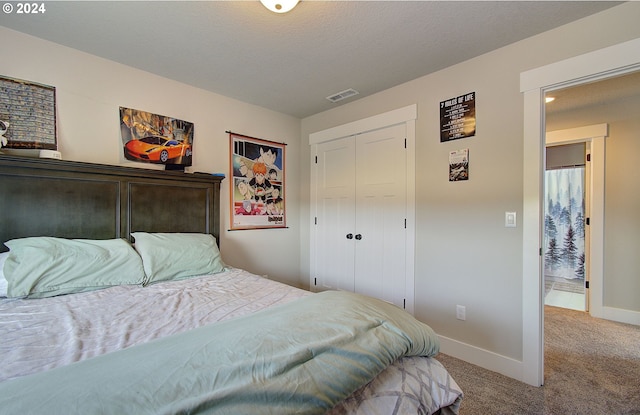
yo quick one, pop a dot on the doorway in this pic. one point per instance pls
(564, 237)
(619, 59)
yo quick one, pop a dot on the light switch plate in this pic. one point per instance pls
(510, 220)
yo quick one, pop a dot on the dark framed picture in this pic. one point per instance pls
(458, 117)
(28, 111)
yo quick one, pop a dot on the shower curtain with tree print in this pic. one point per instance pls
(564, 223)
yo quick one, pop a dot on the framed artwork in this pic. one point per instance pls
(258, 190)
(28, 110)
(458, 117)
(153, 138)
(459, 165)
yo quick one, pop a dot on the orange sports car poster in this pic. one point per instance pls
(152, 138)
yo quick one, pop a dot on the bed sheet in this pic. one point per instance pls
(38, 335)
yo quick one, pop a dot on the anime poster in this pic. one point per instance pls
(153, 138)
(258, 193)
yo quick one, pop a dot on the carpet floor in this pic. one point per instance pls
(592, 367)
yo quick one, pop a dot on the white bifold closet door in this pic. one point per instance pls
(361, 214)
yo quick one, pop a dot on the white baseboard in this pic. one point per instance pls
(480, 357)
(621, 316)
(511, 367)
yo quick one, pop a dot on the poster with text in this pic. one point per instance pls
(458, 117)
(258, 191)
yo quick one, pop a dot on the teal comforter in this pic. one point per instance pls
(299, 358)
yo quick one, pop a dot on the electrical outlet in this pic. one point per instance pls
(461, 312)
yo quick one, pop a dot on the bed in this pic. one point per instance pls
(118, 302)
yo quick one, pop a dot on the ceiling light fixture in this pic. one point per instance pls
(279, 6)
(549, 99)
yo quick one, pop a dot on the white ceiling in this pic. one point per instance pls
(291, 62)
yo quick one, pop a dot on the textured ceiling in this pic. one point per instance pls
(291, 62)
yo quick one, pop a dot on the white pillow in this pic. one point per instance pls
(3, 280)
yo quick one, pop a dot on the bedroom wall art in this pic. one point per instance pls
(458, 117)
(153, 138)
(459, 165)
(29, 111)
(258, 191)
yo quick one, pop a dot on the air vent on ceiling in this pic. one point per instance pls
(342, 95)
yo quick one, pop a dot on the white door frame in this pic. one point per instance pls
(604, 63)
(408, 116)
(595, 135)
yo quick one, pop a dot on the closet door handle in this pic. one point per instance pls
(349, 236)
(358, 236)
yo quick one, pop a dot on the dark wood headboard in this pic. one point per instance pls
(67, 199)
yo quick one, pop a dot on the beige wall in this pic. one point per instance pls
(464, 254)
(621, 280)
(89, 91)
(622, 223)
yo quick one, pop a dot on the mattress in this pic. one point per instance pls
(42, 334)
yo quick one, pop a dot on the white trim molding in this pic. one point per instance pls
(621, 316)
(481, 357)
(576, 135)
(400, 115)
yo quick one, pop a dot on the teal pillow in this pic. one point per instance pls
(176, 256)
(45, 266)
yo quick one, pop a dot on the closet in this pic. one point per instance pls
(360, 216)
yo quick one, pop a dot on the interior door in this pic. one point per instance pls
(335, 215)
(380, 226)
